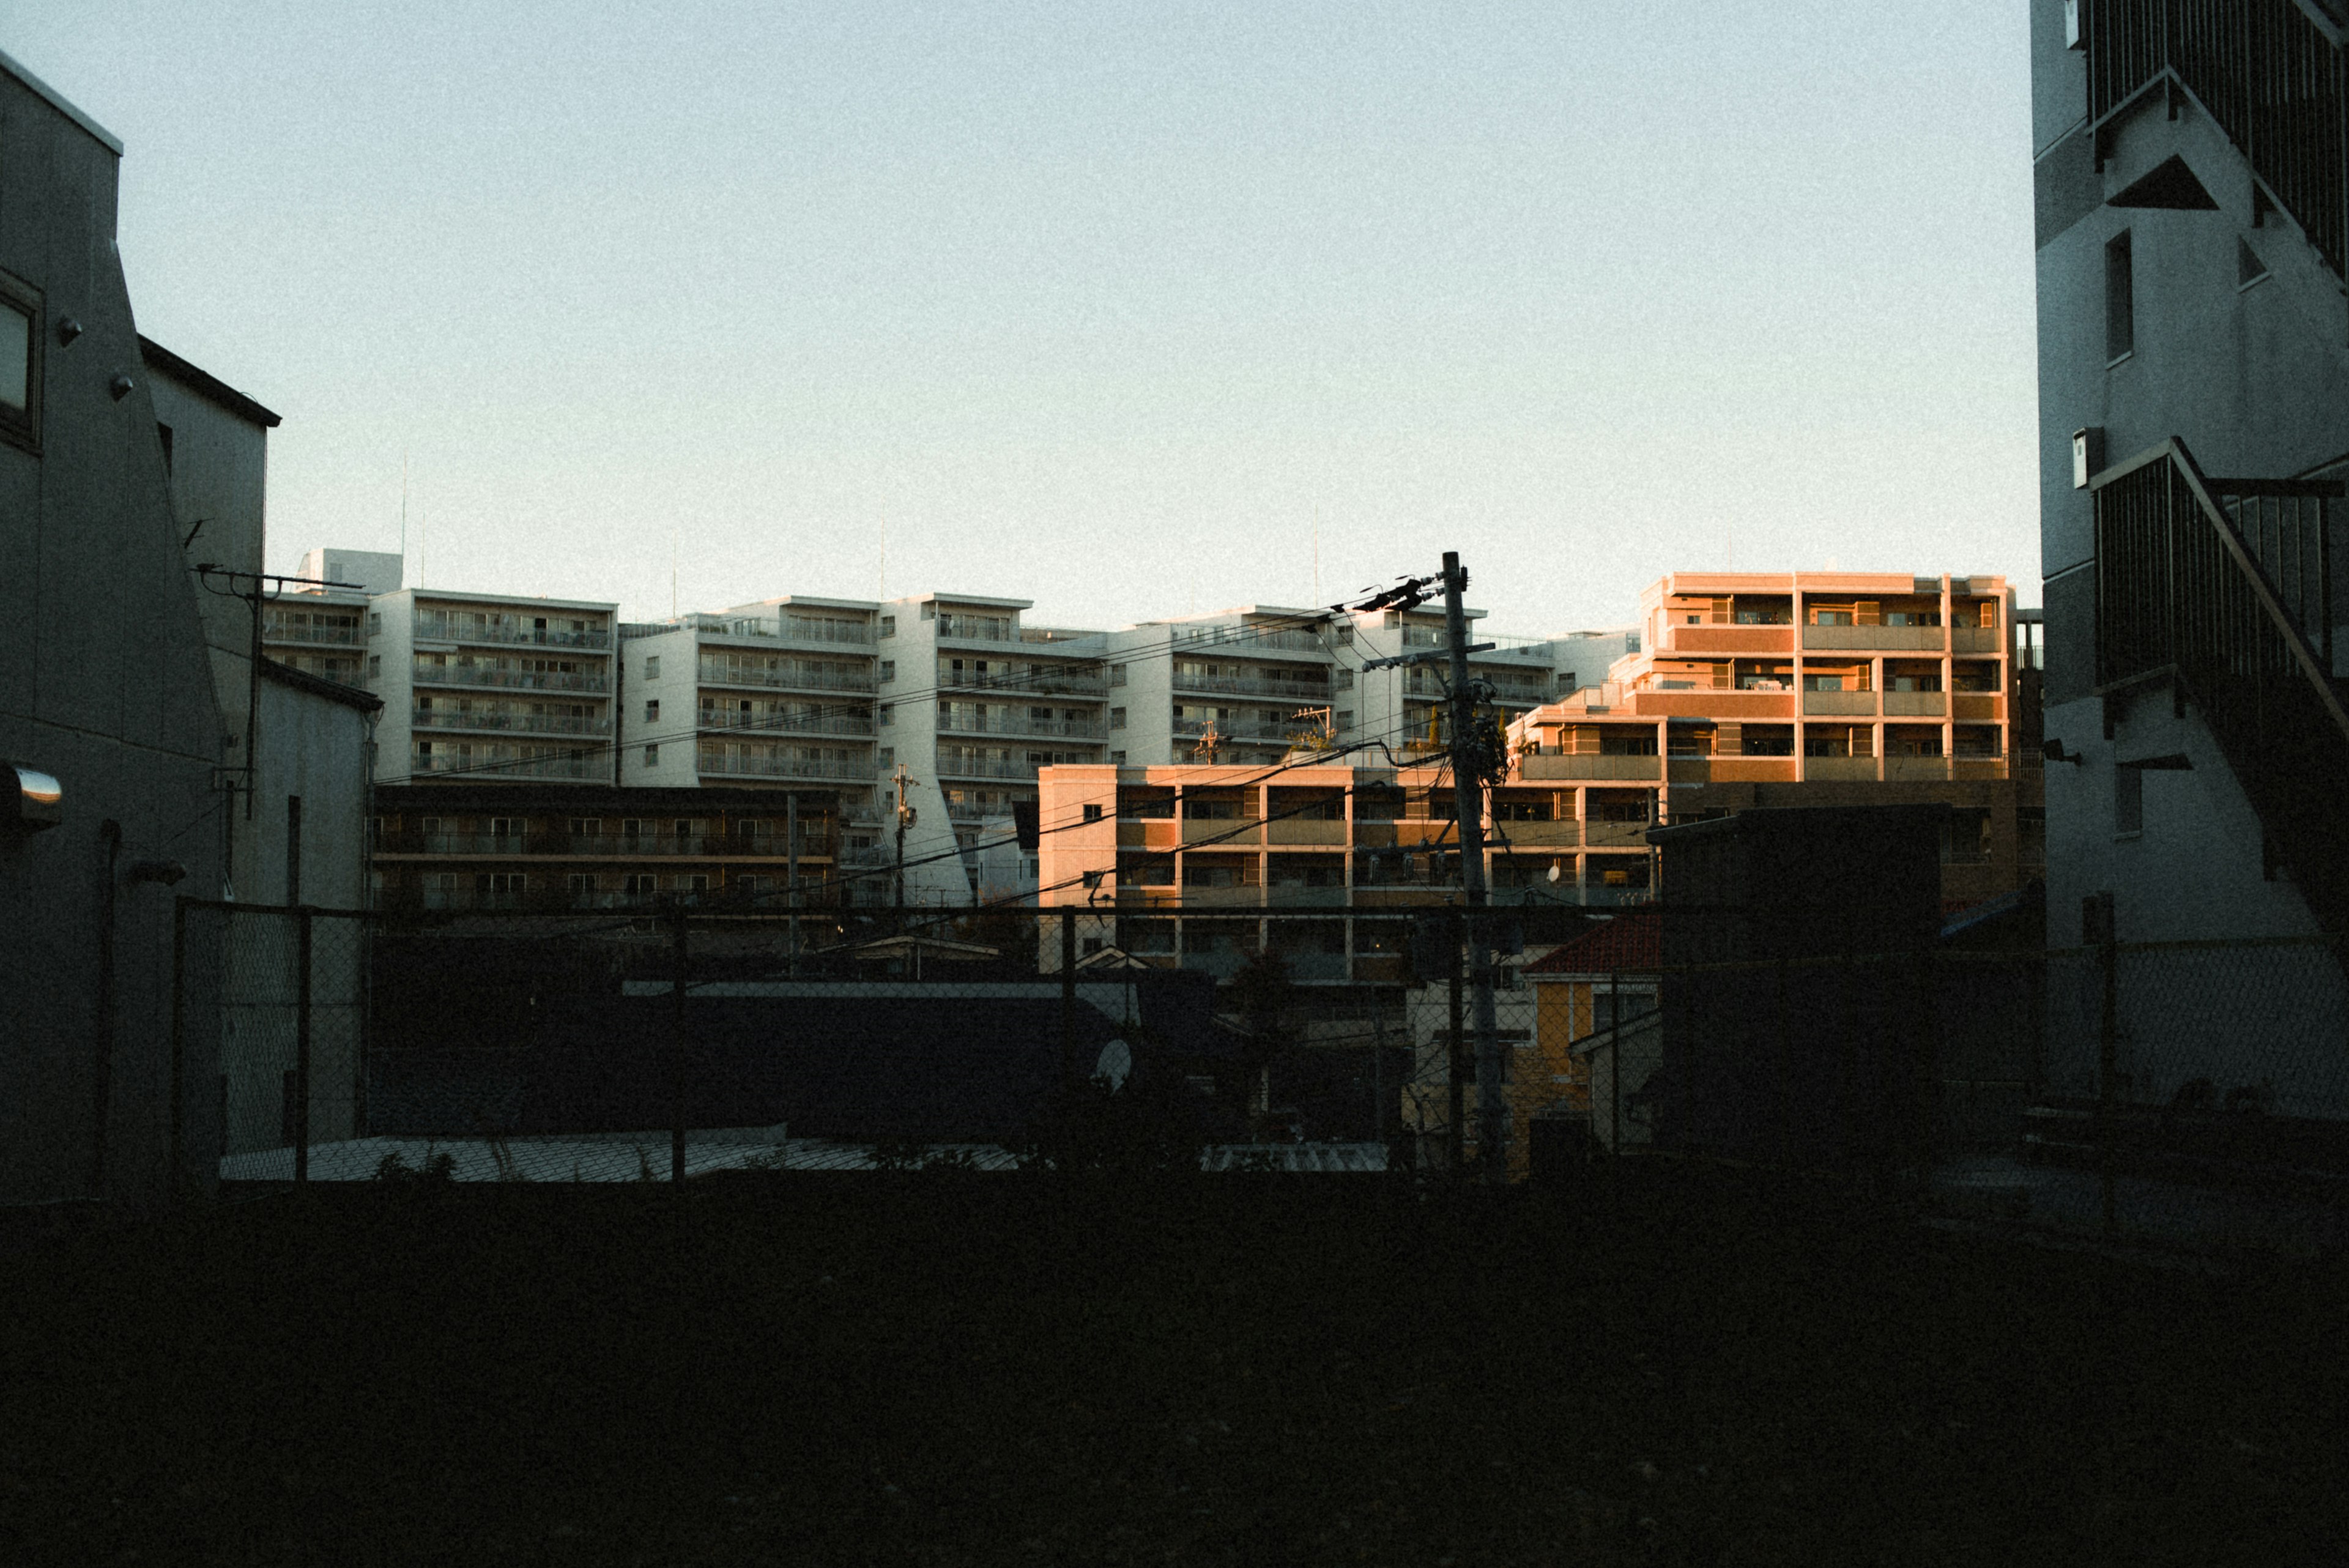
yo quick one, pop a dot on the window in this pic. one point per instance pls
(1117, 759)
(582, 884)
(888, 670)
(652, 756)
(375, 665)
(632, 827)
(887, 757)
(583, 827)
(641, 885)
(888, 711)
(652, 666)
(2120, 299)
(1092, 811)
(889, 626)
(1117, 718)
(20, 363)
(652, 710)
(2128, 802)
(1117, 675)
(505, 827)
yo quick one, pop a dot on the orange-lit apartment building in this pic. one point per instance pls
(1776, 689)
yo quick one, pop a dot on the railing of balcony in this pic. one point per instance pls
(786, 675)
(720, 721)
(1074, 682)
(754, 766)
(996, 724)
(490, 768)
(350, 636)
(521, 723)
(1273, 730)
(2265, 73)
(817, 630)
(430, 627)
(1241, 686)
(956, 767)
(978, 628)
(604, 846)
(511, 679)
(1251, 636)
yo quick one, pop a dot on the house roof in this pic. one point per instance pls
(196, 378)
(1628, 942)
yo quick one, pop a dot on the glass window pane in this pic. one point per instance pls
(15, 357)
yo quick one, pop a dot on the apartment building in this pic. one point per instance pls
(323, 631)
(1200, 866)
(488, 687)
(977, 701)
(765, 693)
(1247, 685)
(1755, 689)
(467, 847)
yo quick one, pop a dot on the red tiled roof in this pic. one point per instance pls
(1633, 940)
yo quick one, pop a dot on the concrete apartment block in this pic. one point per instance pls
(486, 687)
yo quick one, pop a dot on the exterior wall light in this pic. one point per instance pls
(37, 801)
(121, 387)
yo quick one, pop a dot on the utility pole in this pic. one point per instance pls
(905, 821)
(1468, 811)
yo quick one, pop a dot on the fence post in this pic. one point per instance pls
(677, 1055)
(302, 949)
(1069, 998)
(1455, 1136)
(178, 1173)
(1614, 1079)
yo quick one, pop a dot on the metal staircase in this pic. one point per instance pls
(2267, 72)
(2220, 588)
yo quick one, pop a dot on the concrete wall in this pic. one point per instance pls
(104, 682)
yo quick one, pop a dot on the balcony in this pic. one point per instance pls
(316, 635)
(1590, 765)
(811, 631)
(1616, 835)
(1839, 769)
(849, 771)
(1305, 830)
(442, 629)
(1562, 834)
(1978, 640)
(510, 680)
(1243, 686)
(977, 629)
(787, 677)
(1041, 683)
(717, 721)
(1272, 733)
(1906, 639)
(1238, 831)
(514, 723)
(1982, 707)
(1915, 704)
(1247, 895)
(1861, 704)
(1003, 724)
(1761, 641)
(953, 767)
(1249, 637)
(596, 766)
(1916, 770)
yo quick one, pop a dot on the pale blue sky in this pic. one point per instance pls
(1098, 305)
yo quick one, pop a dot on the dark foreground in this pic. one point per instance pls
(943, 1368)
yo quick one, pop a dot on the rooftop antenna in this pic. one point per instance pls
(672, 574)
(885, 553)
(403, 511)
(1317, 552)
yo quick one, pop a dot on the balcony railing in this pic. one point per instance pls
(997, 724)
(1906, 639)
(444, 628)
(954, 767)
(1281, 733)
(1240, 686)
(814, 630)
(718, 722)
(1073, 682)
(600, 845)
(510, 680)
(978, 628)
(850, 771)
(788, 677)
(1249, 637)
(1915, 704)
(492, 769)
(1848, 704)
(350, 636)
(1590, 765)
(518, 724)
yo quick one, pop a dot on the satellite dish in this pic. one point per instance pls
(1115, 1065)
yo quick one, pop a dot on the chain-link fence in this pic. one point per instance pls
(2198, 1090)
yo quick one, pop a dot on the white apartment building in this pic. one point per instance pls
(486, 687)
(782, 689)
(322, 631)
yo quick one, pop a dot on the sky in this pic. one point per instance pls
(1132, 310)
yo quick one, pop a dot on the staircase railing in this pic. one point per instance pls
(2270, 76)
(2222, 587)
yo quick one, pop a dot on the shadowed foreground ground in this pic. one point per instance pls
(947, 1368)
